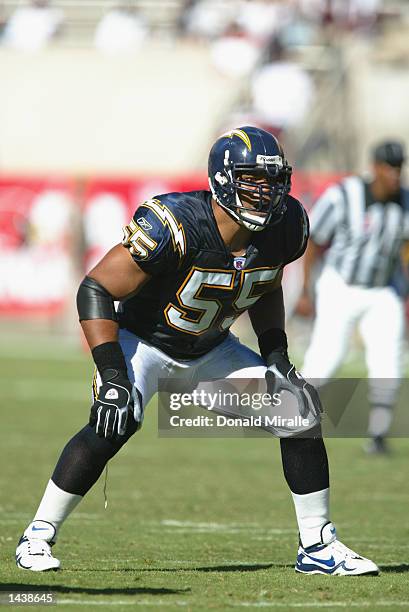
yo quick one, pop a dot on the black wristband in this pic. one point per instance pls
(109, 356)
(273, 339)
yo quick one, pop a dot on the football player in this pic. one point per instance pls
(189, 265)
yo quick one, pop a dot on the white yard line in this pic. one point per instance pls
(200, 527)
(176, 523)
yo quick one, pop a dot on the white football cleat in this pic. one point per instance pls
(34, 549)
(333, 558)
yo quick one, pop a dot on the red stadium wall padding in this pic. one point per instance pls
(36, 235)
(35, 245)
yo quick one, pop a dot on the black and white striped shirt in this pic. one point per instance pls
(365, 236)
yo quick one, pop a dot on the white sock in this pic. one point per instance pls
(380, 419)
(312, 511)
(56, 505)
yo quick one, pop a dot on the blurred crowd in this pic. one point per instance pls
(264, 42)
(32, 26)
(125, 25)
(261, 42)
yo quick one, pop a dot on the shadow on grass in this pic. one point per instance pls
(59, 588)
(242, 567)
(402, 568)
(208, 568)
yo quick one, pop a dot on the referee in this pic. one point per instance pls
(365, 225)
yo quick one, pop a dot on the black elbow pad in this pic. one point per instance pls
(94, 301)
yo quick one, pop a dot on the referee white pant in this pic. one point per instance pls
(380, 315)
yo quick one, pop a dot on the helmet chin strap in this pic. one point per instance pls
(250, 226)
(245, 218)
(239, 218)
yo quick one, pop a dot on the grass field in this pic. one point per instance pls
(194, 524)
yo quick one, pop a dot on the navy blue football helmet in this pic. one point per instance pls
(250, 177)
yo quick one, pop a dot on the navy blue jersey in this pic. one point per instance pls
(197, 287)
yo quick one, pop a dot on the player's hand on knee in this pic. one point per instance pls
(118, 401)
(281, 375)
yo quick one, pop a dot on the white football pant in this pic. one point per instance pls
(147, 364)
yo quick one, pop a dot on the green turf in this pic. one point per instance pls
(195, 524)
